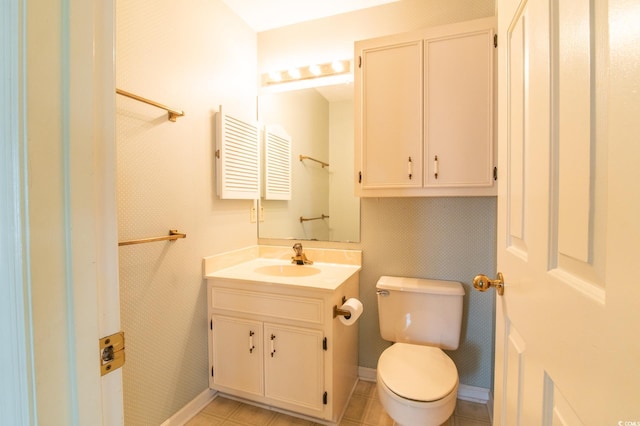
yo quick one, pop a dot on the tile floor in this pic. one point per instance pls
(364, 409)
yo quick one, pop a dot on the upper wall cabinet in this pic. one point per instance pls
(425, 112)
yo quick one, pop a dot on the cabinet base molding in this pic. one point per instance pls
(276, 409)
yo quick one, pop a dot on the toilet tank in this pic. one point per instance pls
(420, 311)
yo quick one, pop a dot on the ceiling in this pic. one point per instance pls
(262, 15)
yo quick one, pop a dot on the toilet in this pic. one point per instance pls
(417, 381)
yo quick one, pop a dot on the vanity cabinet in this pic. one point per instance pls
(425, 112)
(279, 345)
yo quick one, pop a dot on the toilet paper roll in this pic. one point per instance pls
(355, 308)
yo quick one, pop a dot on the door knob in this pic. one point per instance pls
(482, 283)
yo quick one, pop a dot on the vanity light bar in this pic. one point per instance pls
(307, 72)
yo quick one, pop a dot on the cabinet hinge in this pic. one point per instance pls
(324, 344)
(360, 61)
(495, 40)
(495, 173)
(359, 177)
(324, 398)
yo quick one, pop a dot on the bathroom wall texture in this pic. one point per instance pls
(191, 57)
(442, 238)
(437, 238)
(331, 38)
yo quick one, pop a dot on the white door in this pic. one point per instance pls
(567, 326)
(57, 208)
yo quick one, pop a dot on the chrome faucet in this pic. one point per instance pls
(300, 258)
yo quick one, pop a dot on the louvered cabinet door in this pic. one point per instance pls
(277, 164)
(237, 157)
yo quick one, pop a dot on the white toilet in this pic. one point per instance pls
(417, 381)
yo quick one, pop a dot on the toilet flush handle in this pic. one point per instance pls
(382, 293)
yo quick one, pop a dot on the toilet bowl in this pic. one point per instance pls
(417, 385)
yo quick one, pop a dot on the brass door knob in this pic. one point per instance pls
(482, 283)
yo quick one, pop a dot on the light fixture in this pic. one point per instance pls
(328, 69)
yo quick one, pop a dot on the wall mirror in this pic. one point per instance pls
(320, 123)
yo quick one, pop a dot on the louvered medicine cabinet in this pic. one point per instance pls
(238, 161)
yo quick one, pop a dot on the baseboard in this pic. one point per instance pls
(367, 374)
(192, 408)
(465, 392)
(474, 394)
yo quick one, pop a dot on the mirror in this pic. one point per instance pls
(321, 126)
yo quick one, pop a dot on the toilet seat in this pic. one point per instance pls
(417, 373)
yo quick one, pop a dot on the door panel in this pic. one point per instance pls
(237, 354)
(293, 365)
(392, 115)
(459, 89)
(554, 240)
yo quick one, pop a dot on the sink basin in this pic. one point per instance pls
(287, 270)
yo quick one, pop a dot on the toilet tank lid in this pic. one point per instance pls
(420, 285)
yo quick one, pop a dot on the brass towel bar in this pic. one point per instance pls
(173, 114)
(304, 157)
(173, 235)
(304, 219)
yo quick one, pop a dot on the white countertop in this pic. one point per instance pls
(329, 277)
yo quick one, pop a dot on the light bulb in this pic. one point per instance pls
(275, 76)
(337, 66)
(315, 69)
(294, 73)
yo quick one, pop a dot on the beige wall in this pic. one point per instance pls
(193, 58)
(327, 39)
(442, 238)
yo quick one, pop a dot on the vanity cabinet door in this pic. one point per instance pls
(238, 354)
(294, 366)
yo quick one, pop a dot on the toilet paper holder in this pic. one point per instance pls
(337, 311)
